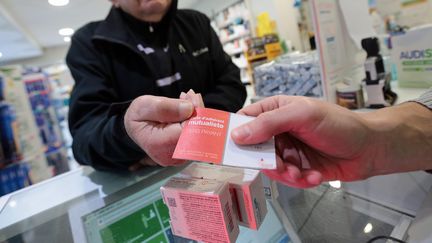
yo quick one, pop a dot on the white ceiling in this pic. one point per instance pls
(28, 26)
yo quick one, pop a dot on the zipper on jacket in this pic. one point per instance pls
(140, 53)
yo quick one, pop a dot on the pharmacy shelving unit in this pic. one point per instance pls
(234, 26)
(42, 152)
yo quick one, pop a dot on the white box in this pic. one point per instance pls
(412, 54)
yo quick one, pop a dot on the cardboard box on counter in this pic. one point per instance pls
(245, 186)
(200, 209)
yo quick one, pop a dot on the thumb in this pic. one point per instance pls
(296, 118)
(258, 130)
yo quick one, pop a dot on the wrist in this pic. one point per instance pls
(402, 137)
(379, 129)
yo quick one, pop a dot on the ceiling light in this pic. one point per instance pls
(335, 184)
(58, 3)
(67, 39)
(66, 31)
(368, 228)
(1, 54)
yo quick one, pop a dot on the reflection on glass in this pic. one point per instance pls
(368, 228)
(335, 184)
(12, 204)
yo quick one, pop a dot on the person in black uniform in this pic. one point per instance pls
(129, 71)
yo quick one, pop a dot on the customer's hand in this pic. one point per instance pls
(154, 124)
(315, 141)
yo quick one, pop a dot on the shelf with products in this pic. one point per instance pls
(266, 47)
(10, 149)
(14, 168)
(27, 133)
(13, 177)
(61, 83)
(39, 93)
(29, 118)
(261, 50)
(233, 26)
(235, 36)
(233, 22)
(236, 51)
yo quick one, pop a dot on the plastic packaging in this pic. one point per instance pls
(293, 74)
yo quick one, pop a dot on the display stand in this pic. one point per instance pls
(31, 143)
(341, 58)
(39, 93)
(38, 135)
(61, 84)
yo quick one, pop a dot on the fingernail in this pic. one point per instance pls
(241, 133)
(185, 108)
(182, 95)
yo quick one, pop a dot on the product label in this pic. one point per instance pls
(416, 60)
(206, 138)
(199, 215)
(245, 187)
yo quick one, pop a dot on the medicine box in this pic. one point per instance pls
(412, 55)
(245, 186)
(200, 209)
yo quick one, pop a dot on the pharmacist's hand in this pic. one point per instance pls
(154, 123)
(315, 141)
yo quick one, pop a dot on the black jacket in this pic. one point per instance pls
(112, 64)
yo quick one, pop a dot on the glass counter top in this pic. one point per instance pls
(84, 203)
(91, 206)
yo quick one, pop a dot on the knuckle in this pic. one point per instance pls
(265, 118)
(264, 124)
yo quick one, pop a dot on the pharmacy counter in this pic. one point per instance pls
(89, 206)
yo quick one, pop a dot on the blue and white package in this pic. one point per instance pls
(13, 178)
(2, 88)
(8, 134)
(296, 74)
